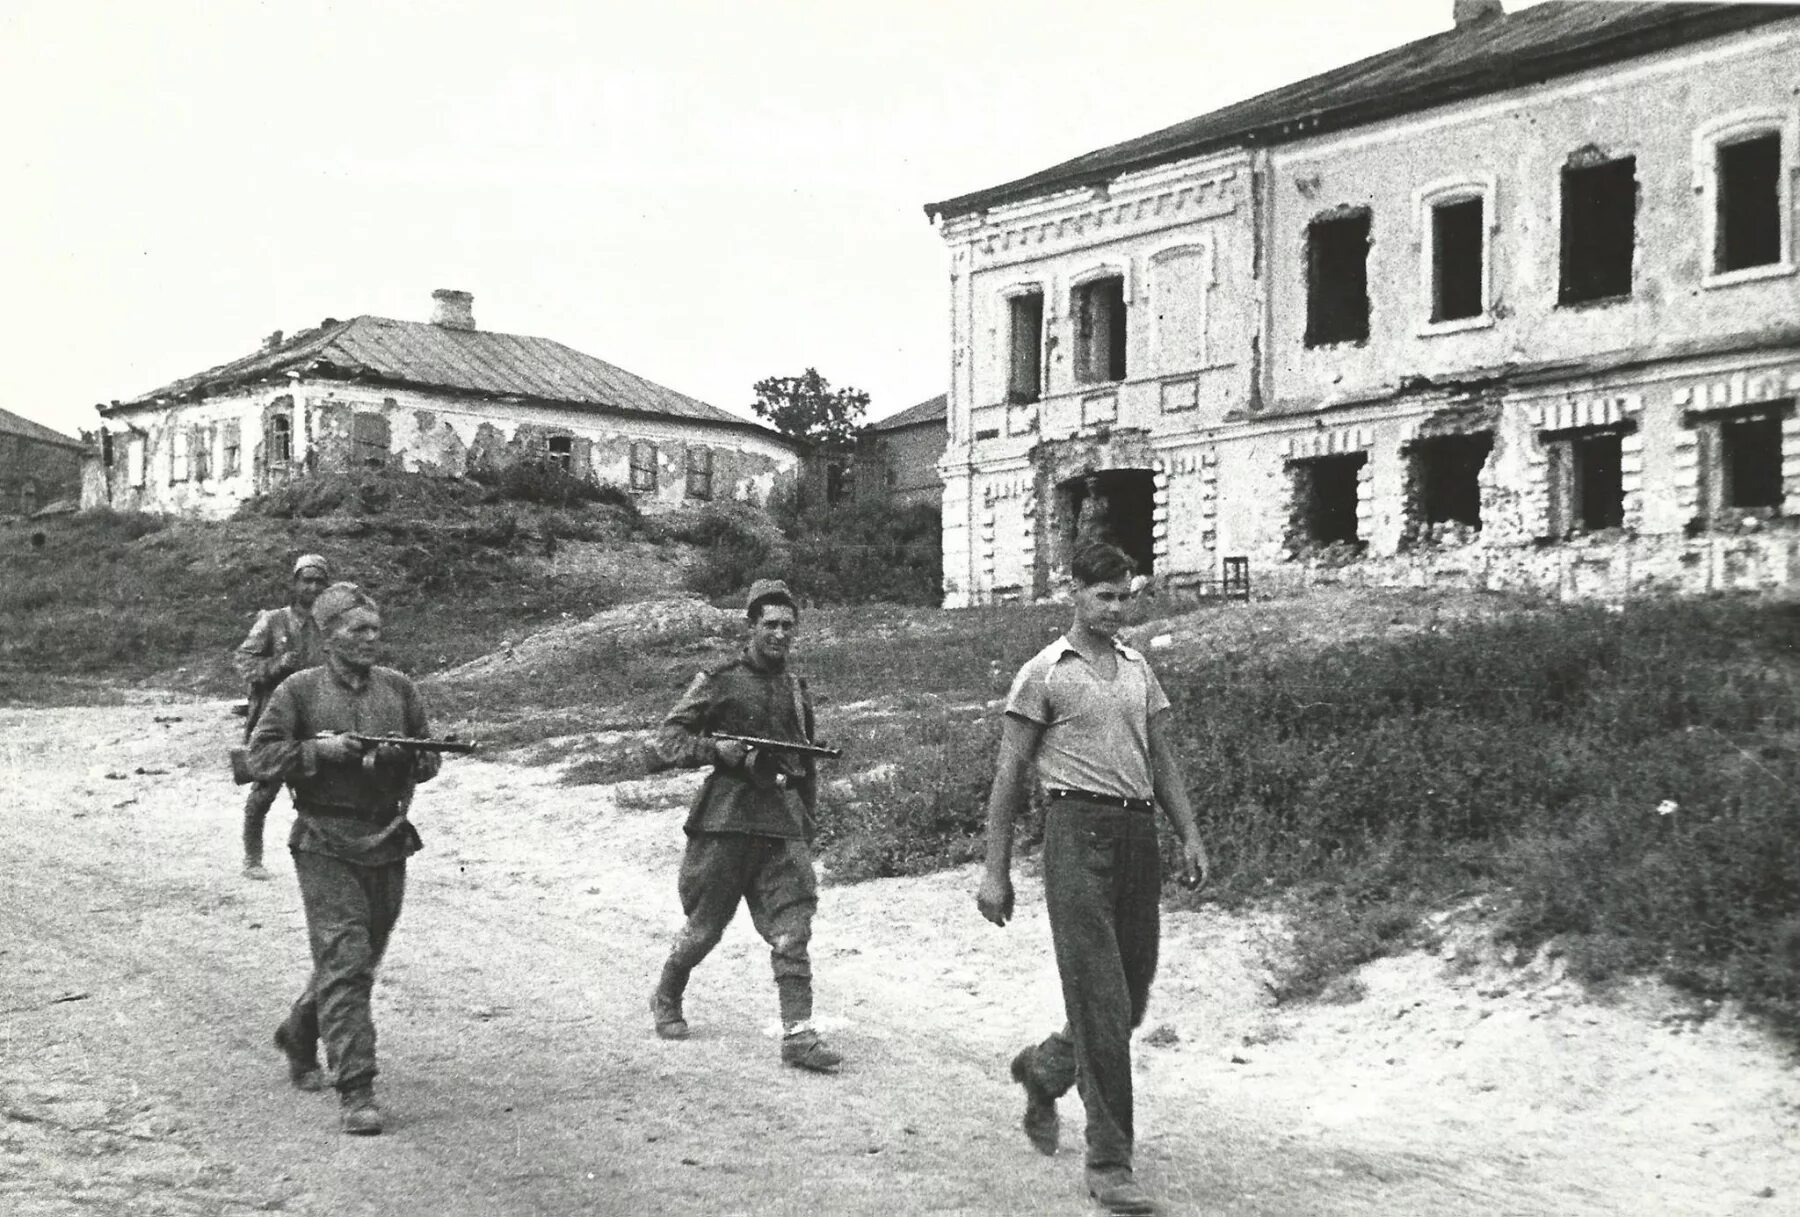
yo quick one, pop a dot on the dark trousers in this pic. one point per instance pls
(1102, 889)
(256, 813)
(350, 912)
(774, 877)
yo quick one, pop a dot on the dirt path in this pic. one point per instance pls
(140, 978)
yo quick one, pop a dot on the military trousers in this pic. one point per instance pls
(1102, 890)
(256, 814)
(774, 877)
(350, 913)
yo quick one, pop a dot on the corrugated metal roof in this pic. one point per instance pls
(14, 424)
(1506, 52)
(934, 411)
(422, 355)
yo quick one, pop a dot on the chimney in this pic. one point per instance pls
(454, 310)
(1473, 12)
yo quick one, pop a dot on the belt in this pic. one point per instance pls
(1105, 800)
(338, 811)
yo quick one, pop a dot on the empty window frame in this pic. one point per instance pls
(840, 479)
(1748, 204)
(279, 443)
(1337, 279)
(1100, 330)
(106, 449)
(1599, 230)
(232, 459)
(561, 449)
(1325, 498)
(1446, 478)
(1741, 470)
(643, 467)
(179, 439)
(1586, 480)
(699, 472)
(1454, 220)
(1025, 346)
(369, 439)
(200, 443)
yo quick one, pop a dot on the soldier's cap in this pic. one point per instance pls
(337, 600)
(312, 562)
(765, 590)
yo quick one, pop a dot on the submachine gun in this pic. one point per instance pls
(758, 744)
(240, 757)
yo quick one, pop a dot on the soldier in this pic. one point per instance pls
(350, 840)
(1093, 717)
(751, 828)
(283, 641)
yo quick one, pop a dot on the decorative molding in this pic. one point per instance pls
(1205, 198)
(1571, 413)
(1739, 389)
(1327, 441)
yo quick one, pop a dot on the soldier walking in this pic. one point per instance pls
(350, 840)
(751, 828)
(1091, 715)
(283, 641)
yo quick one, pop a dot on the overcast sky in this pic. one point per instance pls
(702, 193)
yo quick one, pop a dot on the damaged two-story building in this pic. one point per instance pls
(1512, 306)
(437, 397)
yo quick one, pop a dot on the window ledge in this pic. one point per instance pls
(1750, 274)
(1432, 329)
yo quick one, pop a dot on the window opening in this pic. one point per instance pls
(1457, 260)
(1586, 481)
(1325, 499)
(1025, 320)
(699, 472)
(1100, 330)
(1748, 199)
(369, 439)
(643, 467)
(1599, 230)
(1446, 479)
(233, 445)
(562, 452)
(281, 440)
(1337, 279)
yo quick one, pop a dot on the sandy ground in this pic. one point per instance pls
(141, 976)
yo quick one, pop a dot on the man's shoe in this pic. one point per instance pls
(303, 1064)
(805, 1050)
(254, 869)
(357, 1113)
(1117, 1192)
(1041, 1123)
(666, 1010)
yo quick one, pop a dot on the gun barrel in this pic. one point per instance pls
(461, 747)
(779, 745)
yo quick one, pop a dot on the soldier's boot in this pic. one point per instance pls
(302, 1063)
(357, 1113)
(665, 1004)
(1117, 1192)
(256, 811)
(1040, 1122)
(805, 1050)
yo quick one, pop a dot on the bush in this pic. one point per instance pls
(545, 482)
(737, 545)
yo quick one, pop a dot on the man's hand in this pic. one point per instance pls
(731, 753)
(1196, 867)
(336, 749)
(995, 899)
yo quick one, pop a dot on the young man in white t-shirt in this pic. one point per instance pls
(1091, 715)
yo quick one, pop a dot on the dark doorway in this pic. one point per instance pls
(1112, 505)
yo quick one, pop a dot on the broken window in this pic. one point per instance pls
(279, 444)
(369, 439)
(106, 449)
(1445, 476)
(562, 452)
(1337, 279)
(1025, 370)
(839, 481)
(643, 467)
(1458, 259)
(1740, 466)
(1747, 199)
(1325, 498)
(200, 445)
(232, 446)
(699, 472)
(179, 438)
(1599, 230)
(1586, 480)
(1099, 308)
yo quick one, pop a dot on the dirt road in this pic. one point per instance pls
(141, 976)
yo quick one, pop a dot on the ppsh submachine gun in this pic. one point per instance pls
(791, 747)
(240, 757)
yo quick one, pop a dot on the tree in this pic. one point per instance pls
(807, 407)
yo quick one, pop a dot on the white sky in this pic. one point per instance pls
(704, 193)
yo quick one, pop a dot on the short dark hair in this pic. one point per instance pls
(1100, 562)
